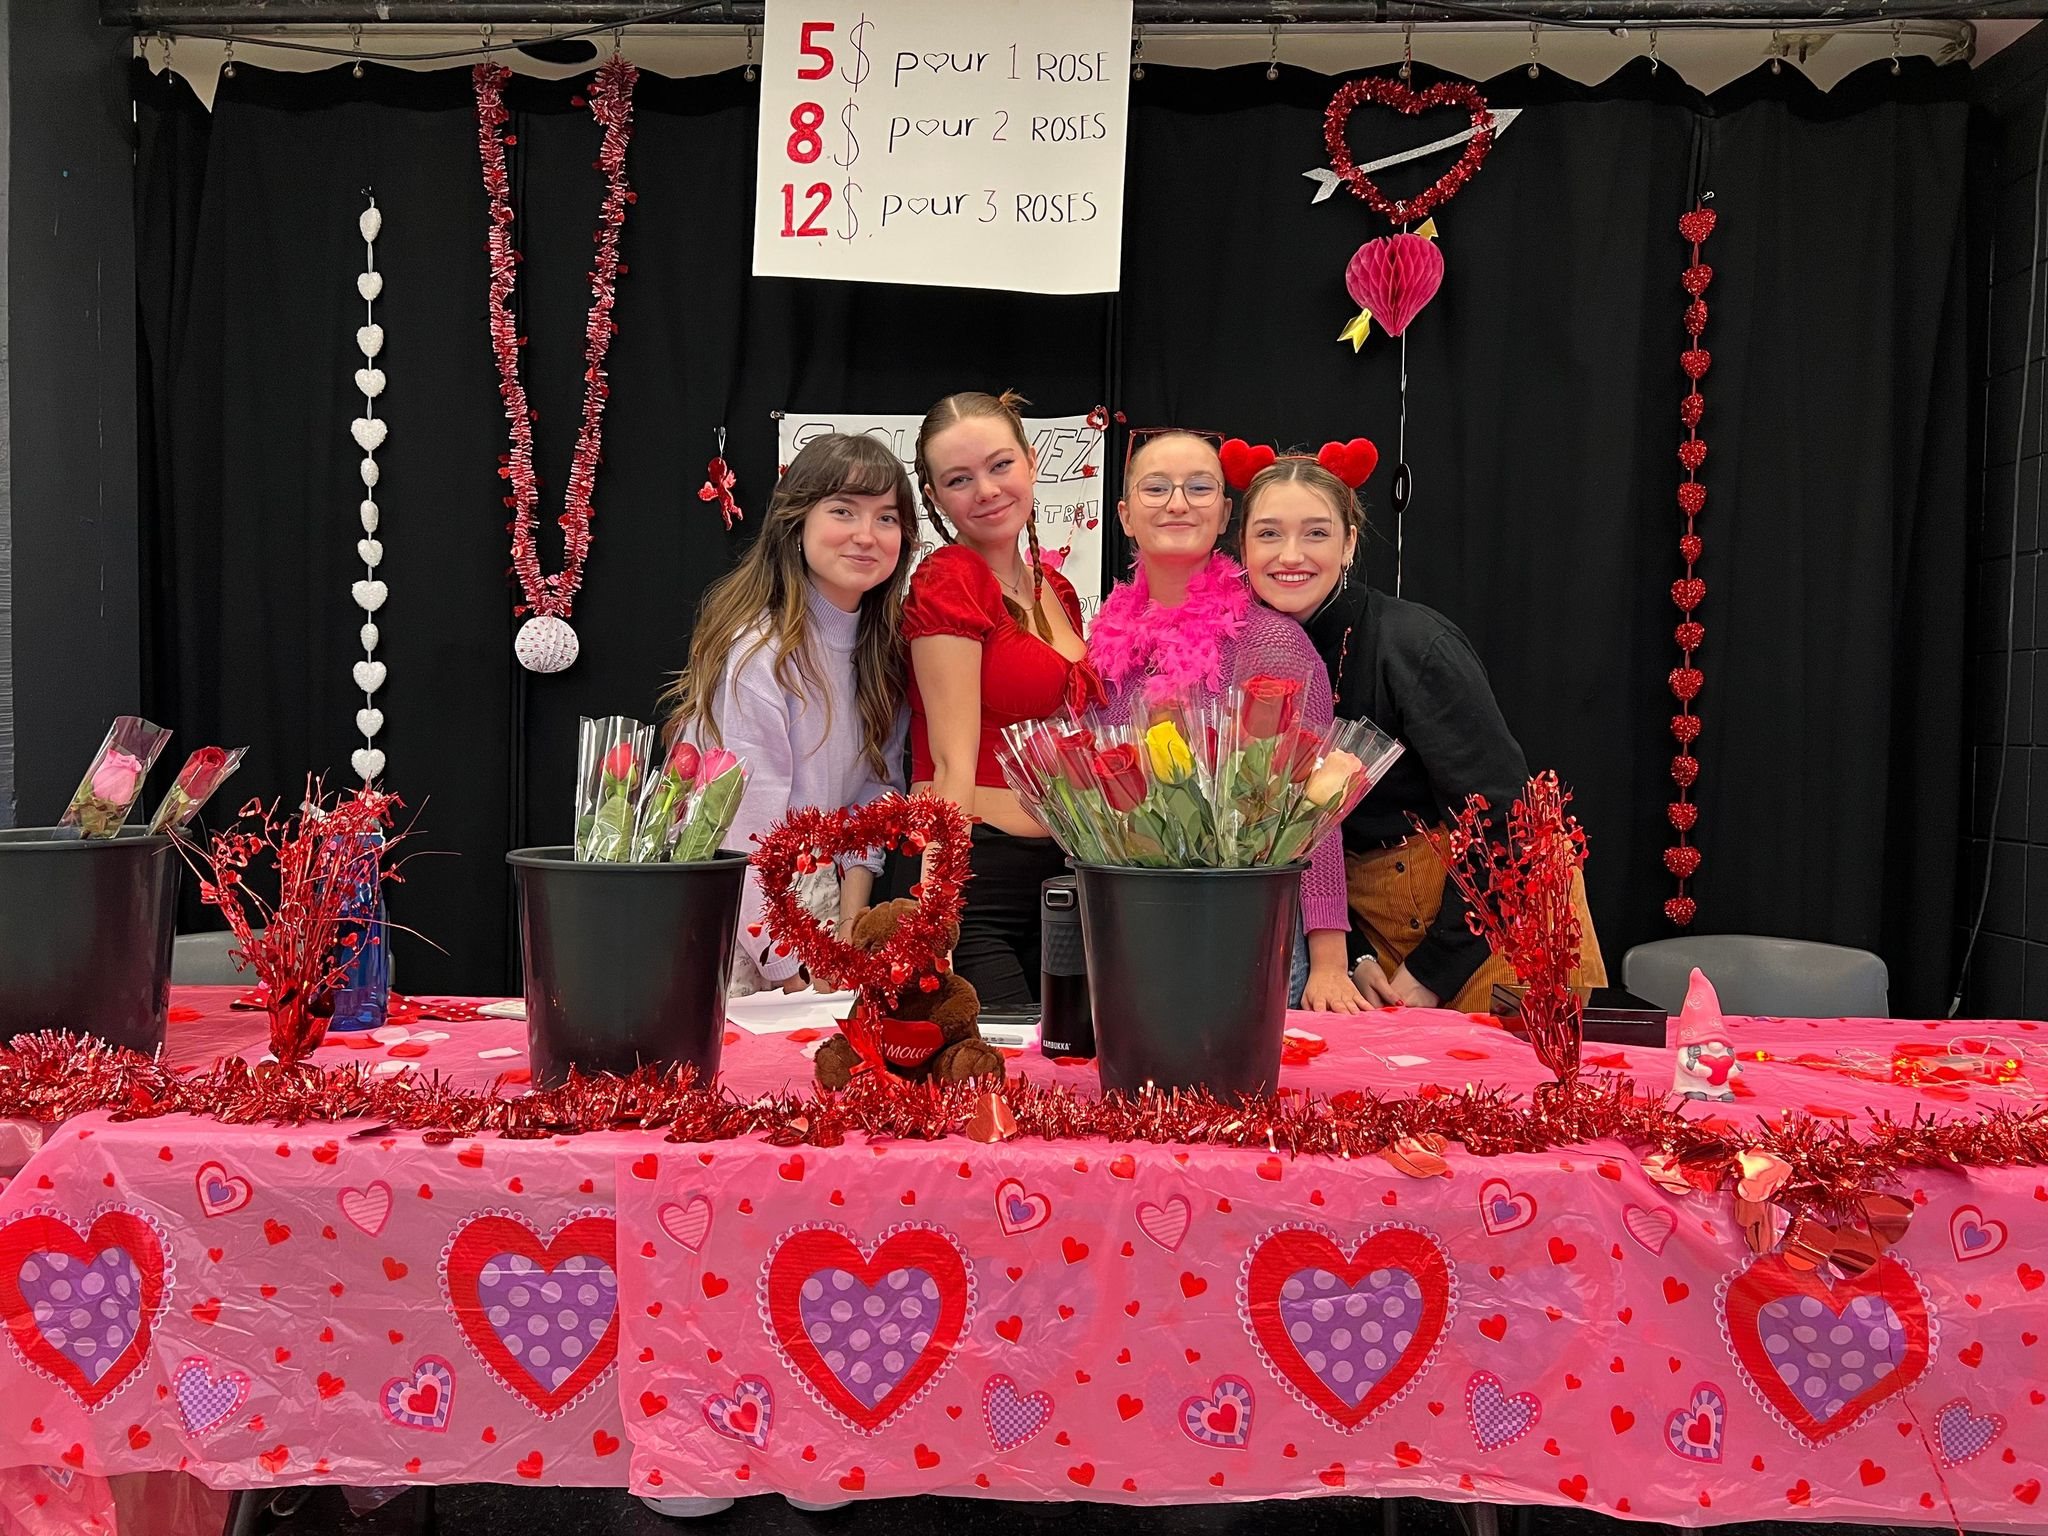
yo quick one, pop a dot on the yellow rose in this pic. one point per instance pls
(1168, 749)
(1333, 779)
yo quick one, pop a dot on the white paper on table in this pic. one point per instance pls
(778, 1013)
(509, 1008)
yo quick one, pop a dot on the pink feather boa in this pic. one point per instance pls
(1178, 650)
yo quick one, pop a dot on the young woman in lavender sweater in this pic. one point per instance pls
(797, 665)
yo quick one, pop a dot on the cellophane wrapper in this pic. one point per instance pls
(204, 772)
(611, 765)
(721, 786)
(108, 792)
(1229, 782)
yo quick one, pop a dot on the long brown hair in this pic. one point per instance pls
(770, 590)
(950, 412)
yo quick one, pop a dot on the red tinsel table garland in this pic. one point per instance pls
(52, 1077)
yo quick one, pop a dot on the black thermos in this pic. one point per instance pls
(1066, 1027)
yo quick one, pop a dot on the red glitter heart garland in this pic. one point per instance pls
(611, 103)
(1398, 95)
(1689, 591)
(810, 838)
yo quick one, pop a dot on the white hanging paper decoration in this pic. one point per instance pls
(369, 433)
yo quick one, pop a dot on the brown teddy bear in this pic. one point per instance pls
(927, 1035)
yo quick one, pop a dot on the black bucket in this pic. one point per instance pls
(85, 934)
(1187, 974)
(625, 964)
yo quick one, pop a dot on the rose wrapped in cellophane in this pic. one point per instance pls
(611, 757)
(721, 783)
(107, 793)
(1219, 783)
(204, 772)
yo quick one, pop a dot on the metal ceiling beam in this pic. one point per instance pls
(145, 15)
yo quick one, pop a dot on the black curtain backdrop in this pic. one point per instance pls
(1542, 426)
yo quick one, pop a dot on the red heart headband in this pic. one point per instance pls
(1351, 462)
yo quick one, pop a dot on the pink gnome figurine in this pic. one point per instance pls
(1706, 1067)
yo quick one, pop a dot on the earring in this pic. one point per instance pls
(1344, 580)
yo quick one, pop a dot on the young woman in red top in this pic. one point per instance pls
(995, 639)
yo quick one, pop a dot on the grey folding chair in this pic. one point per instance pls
(1784, 978)
(201, 960)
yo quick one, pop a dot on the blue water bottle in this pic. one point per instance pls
(365, 990)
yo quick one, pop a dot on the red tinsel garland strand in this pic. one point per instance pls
(809, 839)
(611, 103)
(1682, 859)
(51, 1077)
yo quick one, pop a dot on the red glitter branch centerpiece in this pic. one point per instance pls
(1520, 895)
(299, 941)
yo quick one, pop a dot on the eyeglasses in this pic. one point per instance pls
(1200, 491)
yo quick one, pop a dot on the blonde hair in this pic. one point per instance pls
(949, 412)
(770, 589)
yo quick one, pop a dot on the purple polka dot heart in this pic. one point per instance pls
(1498, 1417)
(866, 1329)
(1010, 1416)
(81, 1306)
(1821, 1356)
(542, 1314)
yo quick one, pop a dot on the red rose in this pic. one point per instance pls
(1270, 705)
(1295, 756)
(683, 760)
(201, 769)
(1121, 775)
(620, 762)
(1076, 753)
(1042, 751)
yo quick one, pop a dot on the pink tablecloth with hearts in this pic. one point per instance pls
(1139, 1323)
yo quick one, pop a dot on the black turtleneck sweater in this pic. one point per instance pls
(1410, 671)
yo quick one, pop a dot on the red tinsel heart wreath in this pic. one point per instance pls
(808, 839)
(1393, 93)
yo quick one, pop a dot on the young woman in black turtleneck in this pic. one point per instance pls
(1411, 672)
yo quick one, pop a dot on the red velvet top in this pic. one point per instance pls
(1022, 678)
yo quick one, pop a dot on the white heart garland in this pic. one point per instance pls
(369, 433)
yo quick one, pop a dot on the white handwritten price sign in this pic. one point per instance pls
(964, 143)
(1069, 484)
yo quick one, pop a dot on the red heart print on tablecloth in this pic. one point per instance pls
(1498, 1417)
(1973, 1234)
(1849, 1346)
(1223, 1418)
(206, 1401)
(1652, 1229)
(1018, 1210)
(746, 1413)
(1694, 1431)
(368, 1208)
(500, 1278)
(1347, 1335)
(1502, 1209)
(220, 1192)
(866, 1330)
(421, 1400)
(1011, 1417)
(687, 1221)
(81, 1308)
(1166, 1223)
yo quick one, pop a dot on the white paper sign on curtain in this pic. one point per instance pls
(1070, 510)
(963, 143)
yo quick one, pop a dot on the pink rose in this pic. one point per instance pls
(620, 762)
(715, 764)
(683, 760)
(116, 779)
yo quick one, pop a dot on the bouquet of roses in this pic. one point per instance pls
(677, 812)
(1220, 783)
(107, 793)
